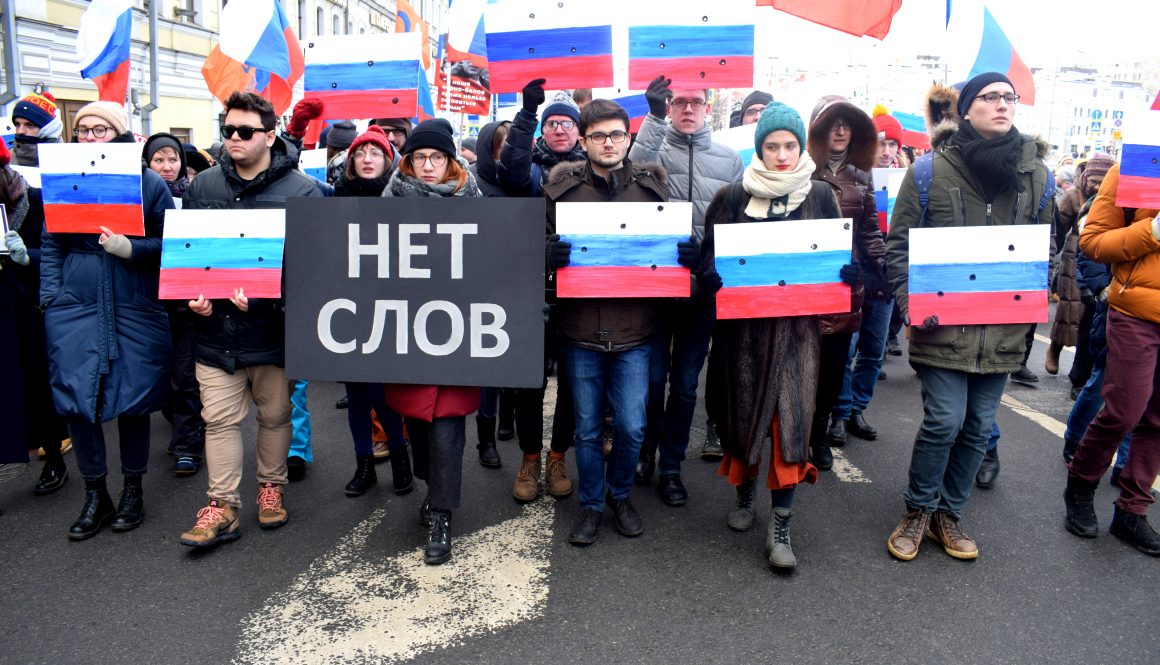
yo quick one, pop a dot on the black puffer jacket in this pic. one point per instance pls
(229, 338)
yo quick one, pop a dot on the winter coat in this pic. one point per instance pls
(524, 156)
(1124, 239)
(1094, 276)
(956, 199)
(759, 368)
(605, 324)
(229, 338)
(485, 168)
(697, 167)
(1065, 329)
(108, 335)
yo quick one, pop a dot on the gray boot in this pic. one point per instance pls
(742, 518)
(777, 545)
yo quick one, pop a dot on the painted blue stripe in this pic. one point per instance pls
(116, 51)
(689, 41)
(383, 75)
(881, 199)
(543, 44)
(272, 53)
(91, 188)
(591, 251)
(221, 252)
(318, 173)
(956, 277)
(910, 122)
(769, 269)
(635, 105)
(1140, 160)
(994, 51)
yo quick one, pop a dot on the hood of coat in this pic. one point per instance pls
(941, 104)
(863, 147)
(566, 175)
(485, 166)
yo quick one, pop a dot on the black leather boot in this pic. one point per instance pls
(988, 470)
(646, 463)
(837, 432)
(860, 428)
(1079, 499)
(1136, 531)
(488, 455)
(52, 476)
(401, 475)
(438, 549)
(364, 476)
(821, 456)
(131, 509)
(95, 514)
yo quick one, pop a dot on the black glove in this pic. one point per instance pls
(928, 324)
(658, 96)
(689, 253)
(710, 282)
(559, 252)
(850, 273)
(534, 95)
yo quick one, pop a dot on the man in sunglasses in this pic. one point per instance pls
(697, 169)
(239, 343)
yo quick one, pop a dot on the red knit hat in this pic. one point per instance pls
(375, 136)
(889, 129)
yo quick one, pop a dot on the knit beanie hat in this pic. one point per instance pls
(1097, 166)
(37, 109)
(111, 112)
(194, 158)
(341, 134)
(755, 97)
(889, 129)
(435, 133)
(469, 144)
(561, 104)
(971, 88)
(779, 116)
(159, 141)
(374, 135)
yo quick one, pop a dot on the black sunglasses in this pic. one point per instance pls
(244, 133)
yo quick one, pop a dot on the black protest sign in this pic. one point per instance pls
(441, 291)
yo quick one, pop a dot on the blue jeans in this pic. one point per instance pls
(300, 421)
(958, 419)
(1087, 405)
(870, 344)
(618, 379)
(361, 398)
(993, 442)
(679, 348)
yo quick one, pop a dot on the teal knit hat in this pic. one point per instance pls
(779, 116)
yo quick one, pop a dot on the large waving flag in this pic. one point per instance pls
(407, 19)
(103, 43)
(365, 76)
(913, 130)
(466, 38)
(213, 252)
(89, 185)
(870, 18)
(976, 44)
(258, 52)
(696, 47)
(426, 106)
(567, 43)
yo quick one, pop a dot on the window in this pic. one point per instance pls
(320, 21)
(302, 18)
(182, 134)
(335, 25)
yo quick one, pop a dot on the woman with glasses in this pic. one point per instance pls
(436, 416)
(108, 336)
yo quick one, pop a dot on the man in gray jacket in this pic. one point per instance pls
(697, 169)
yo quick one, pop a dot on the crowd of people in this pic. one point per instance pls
(96, 344)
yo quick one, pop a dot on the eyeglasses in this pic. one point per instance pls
(437, 159)
(600, 137)
(99, 131)
(566, 125)
(754, 111)
(392, 131)
(994, 97)
(361, 153)
(840, 125)
(244, 133)
(681, 103)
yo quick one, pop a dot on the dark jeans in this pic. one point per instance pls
(437, 450)
(185, 393)
(832, 364)
(958, 421)
(1131, 404)
(89, 443)
(895, 324)
(679, 348)
(869, 345)
(1081, 363)
(361, 398)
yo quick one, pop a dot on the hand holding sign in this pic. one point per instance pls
(240, 300)
(201, 306)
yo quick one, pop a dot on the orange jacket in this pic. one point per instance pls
(1108, 237)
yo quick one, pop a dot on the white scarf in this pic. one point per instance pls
(776, 194)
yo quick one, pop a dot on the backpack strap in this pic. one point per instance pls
(923, 176)
(1048, 190)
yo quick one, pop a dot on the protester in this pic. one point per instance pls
(889, 140)
(396, 129)
(752, 106)
(163, 154)
(467, 150)
(239, 342)
(108, 336)
(338, 139)
(196, 161)
(582, 97)
(35, 121)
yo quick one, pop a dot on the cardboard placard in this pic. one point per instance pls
(696, 46)
(567, 43)
(365, 76)
(1139, 185)
(89, 185)
(887, 182)
(212, 252)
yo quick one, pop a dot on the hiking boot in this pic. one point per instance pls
(777, 546)
(526, 487)
(821, 456)
(95, 514)
(52, 477)
(1079, 500)
(587, 529)
(1051, 364)
(988, 470)
(628, 521)
(216, 523)
(646, 463)
(186, 466)
(488, 455)
(425, 516)
(712, 450)
(1135, 530)
(741, 519)
(906, 538)
(438, 548)
(860, 428)
(271, 513)
(836, 435)
(131, 509)
(402, 478)
(944, 529)
(893, 347)
(559, 486)
(1025, 376)
(364, 477)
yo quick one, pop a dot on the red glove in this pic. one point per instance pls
(304, 111)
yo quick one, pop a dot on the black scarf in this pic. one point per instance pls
(543, 155)
(361, 186)
(177, 187)
(994, 162)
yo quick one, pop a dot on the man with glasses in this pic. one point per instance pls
(239, 343)
(697, 169)
(751, 108)
(396, 129)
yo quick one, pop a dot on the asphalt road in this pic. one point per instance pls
(342, 581)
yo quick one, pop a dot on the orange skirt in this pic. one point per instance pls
(782, 474)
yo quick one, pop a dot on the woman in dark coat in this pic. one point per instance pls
(108, 337)
(436, 416)
(763, 373)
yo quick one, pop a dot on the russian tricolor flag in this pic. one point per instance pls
(637, 108)
(708, 47)
(89, 185)
(313, 163)
(913, 130)
(787, 268)
(426, 109)
(979, 274)
(466, 38)
(887, 182)
(1140, 162)
(624, 250)
(213, 252)
(103, 44)
(740, 139)
(258, 52)
(365, 76)
(557, 41)
(976, 44)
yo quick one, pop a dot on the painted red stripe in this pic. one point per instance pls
(189, 283)
(1138, 192)
(980, 308)
(89, 217)
(628, 282)
(882, 225)
(345, 104)
(759, 302)
(593, 71)
(737, 72)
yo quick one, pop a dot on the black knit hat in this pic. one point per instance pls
(341, 135)
(435, 133)
(971, 88)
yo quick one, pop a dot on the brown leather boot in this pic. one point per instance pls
(526, 488)
(559, 486)
(1051, 364)
(944, 529)
(906, 538)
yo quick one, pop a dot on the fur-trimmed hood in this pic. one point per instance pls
(863, 147)
(567, 175)
(941, 106)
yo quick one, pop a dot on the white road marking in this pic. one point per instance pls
(1047, 341)
(1043, 420)
(845, 471)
